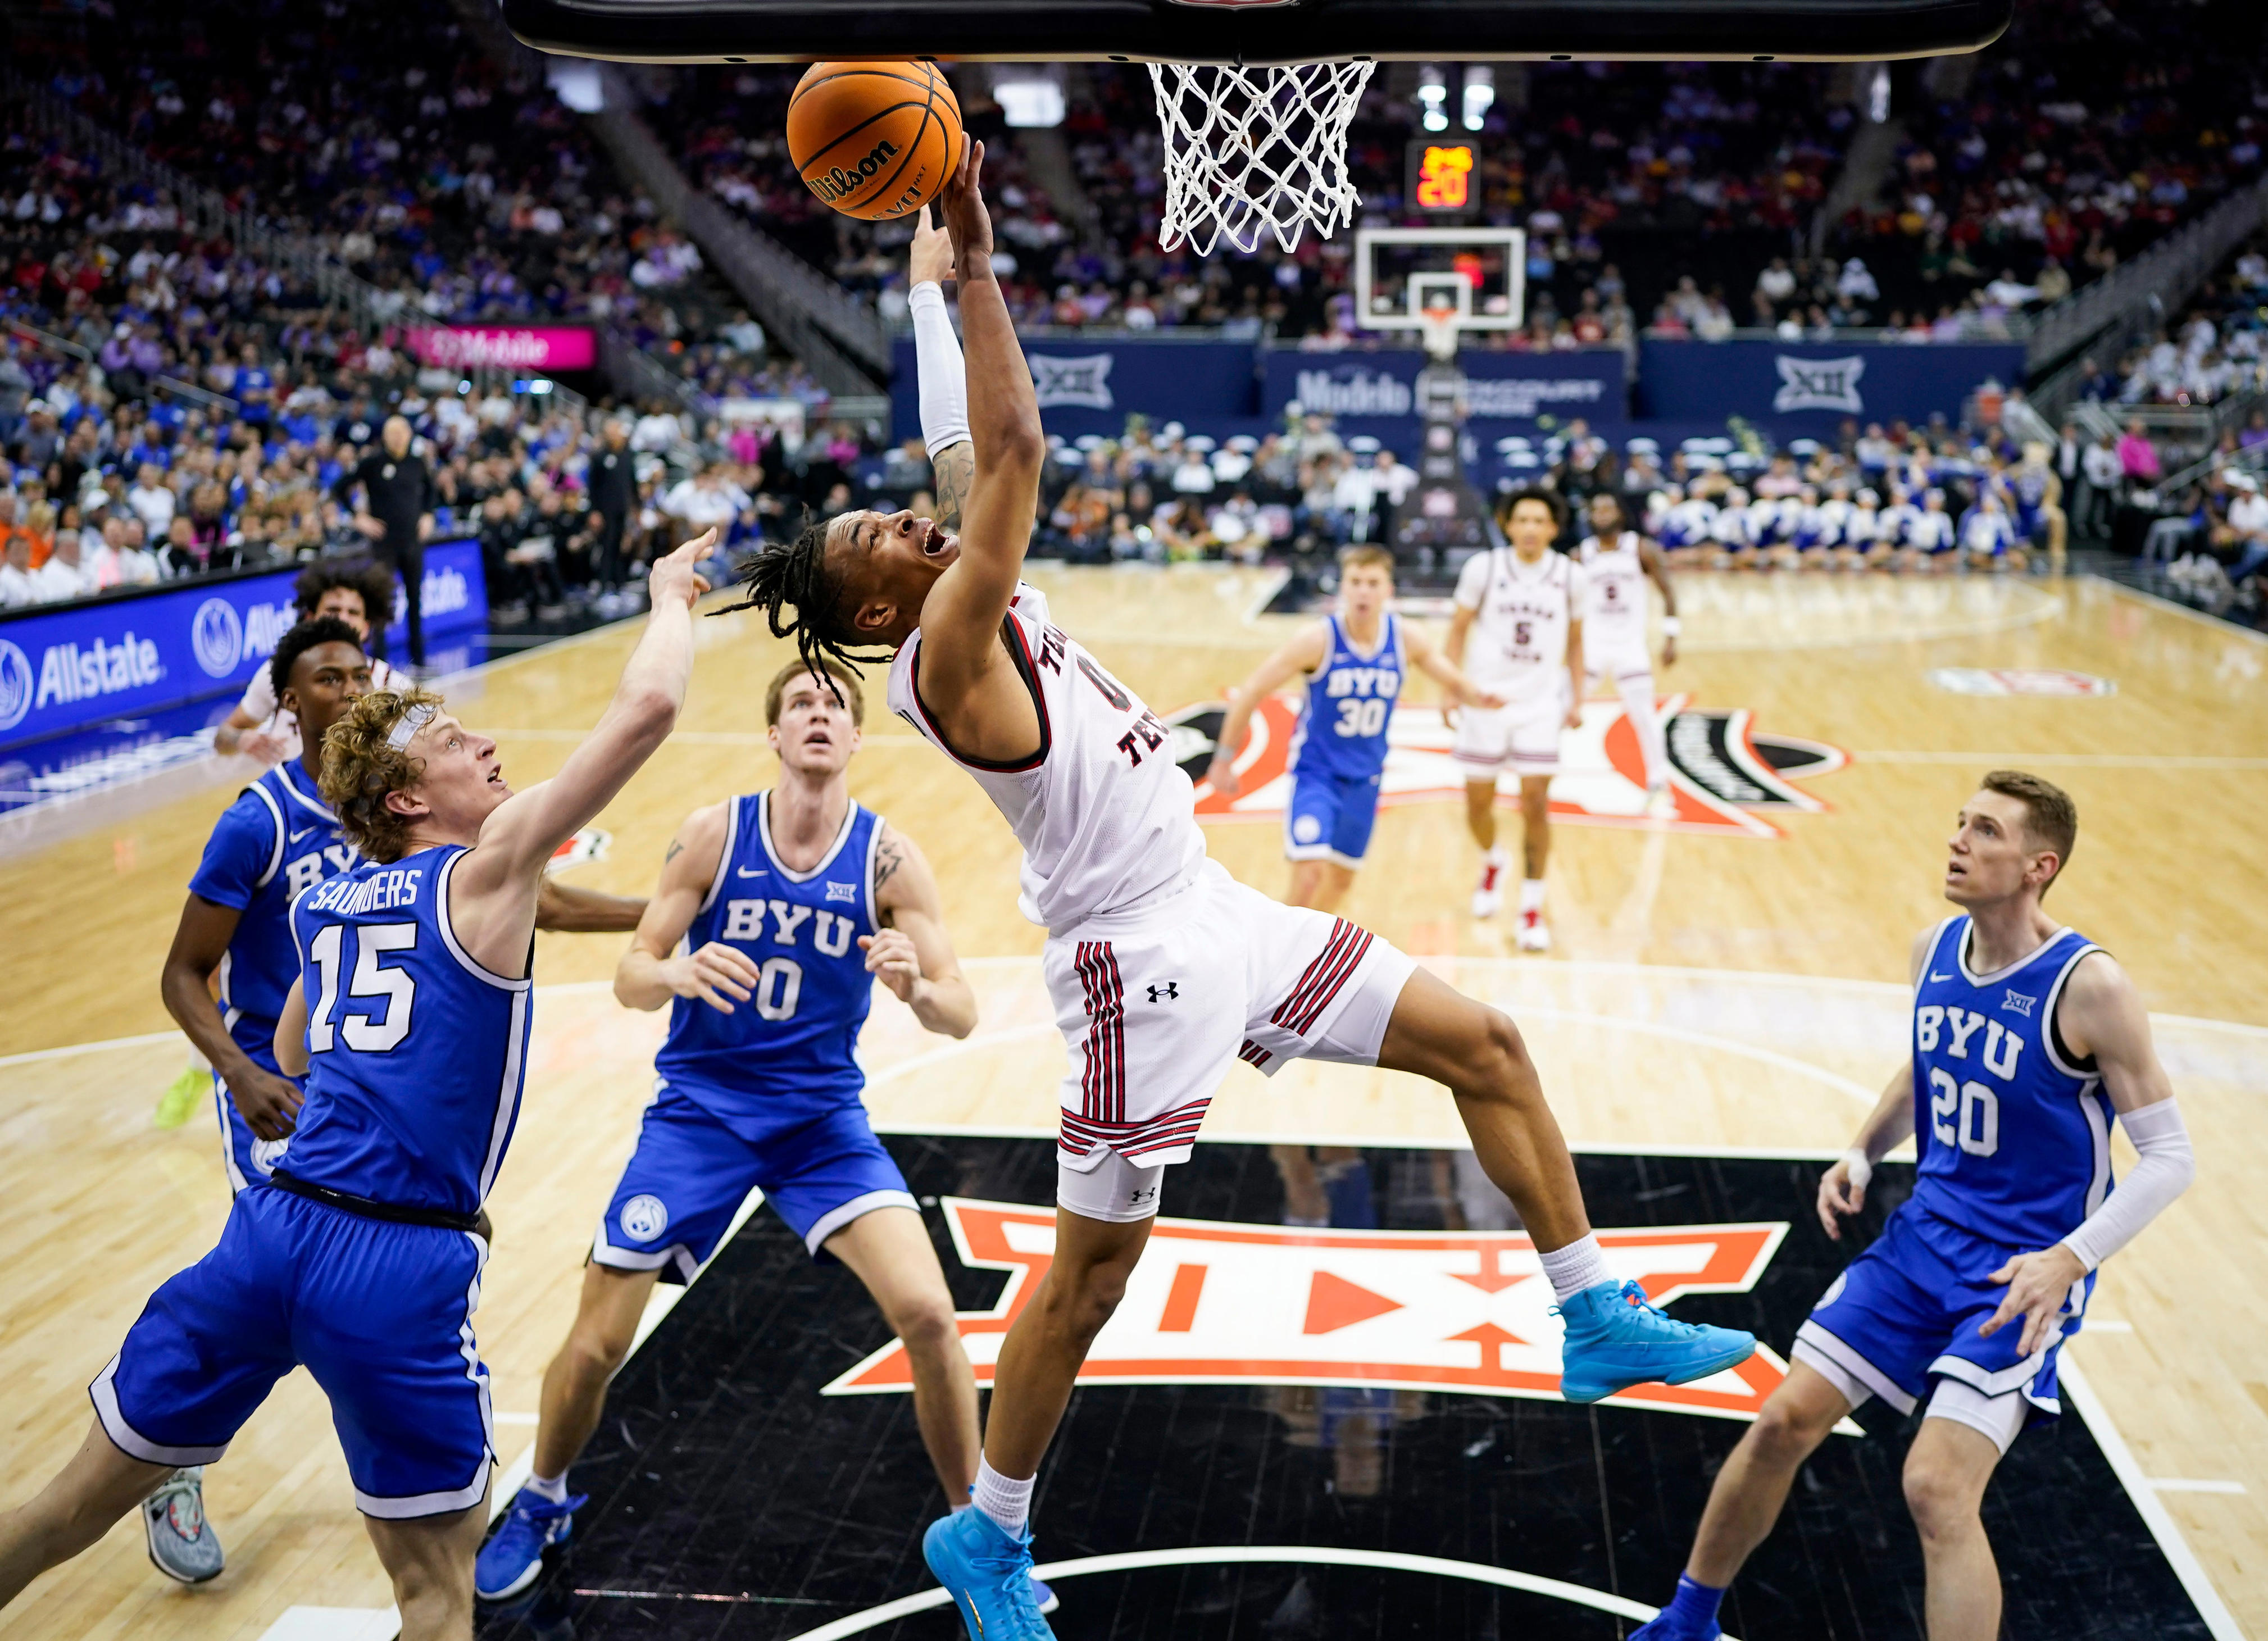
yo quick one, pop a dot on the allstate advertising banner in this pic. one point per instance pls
(1093, 385)
(1505, 392)
(1812, 386)
(81, 664)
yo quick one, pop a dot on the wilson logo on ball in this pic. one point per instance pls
(841, 183)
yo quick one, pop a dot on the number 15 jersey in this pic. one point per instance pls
(790, 1053)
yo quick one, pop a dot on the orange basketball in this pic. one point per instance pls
(874, 140)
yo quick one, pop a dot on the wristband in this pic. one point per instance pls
(1669, 628)
(1861, 1170)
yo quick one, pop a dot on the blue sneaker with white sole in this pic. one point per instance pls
(512, 1559)
(988, 1575)
(1617, 1338)
(1044, 1598)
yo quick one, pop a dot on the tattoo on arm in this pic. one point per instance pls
(955, 467)
(675, 849)
(889, 854)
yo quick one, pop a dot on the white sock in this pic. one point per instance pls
(1007, 1502)
(1531, 894)
(551, 1487)
(1578, 1266)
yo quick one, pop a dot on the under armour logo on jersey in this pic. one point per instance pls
(2017, 1002)
(1170, 992)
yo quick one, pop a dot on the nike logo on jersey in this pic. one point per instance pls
(750, 872)
(301, 833)
(1940, 977)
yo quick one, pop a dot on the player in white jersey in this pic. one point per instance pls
(1162, 967)
(1618, 563)
(1518, 631)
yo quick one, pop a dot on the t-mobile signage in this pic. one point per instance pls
(505, 347)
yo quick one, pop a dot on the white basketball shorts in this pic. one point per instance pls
(1154, 1008)
(1524, 736)
(1619, 658)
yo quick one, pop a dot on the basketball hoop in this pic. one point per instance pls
(1441, 326)
(1256, 149)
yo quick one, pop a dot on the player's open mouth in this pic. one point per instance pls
(936, 543)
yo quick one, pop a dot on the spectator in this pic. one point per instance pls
(64, 576)
(17, 585)
(121, 561)
(2138, 456)
(2103, 467)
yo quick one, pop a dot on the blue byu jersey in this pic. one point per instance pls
(2014, 1135)
(273, 840)
(1350, 703)
(417, 1054)
(789, 1054)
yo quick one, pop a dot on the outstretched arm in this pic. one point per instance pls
(961, 620)
(1301, 654)
(942, 377)
(1445, 672)
(494, 891)
(913, 955)
(565, 908)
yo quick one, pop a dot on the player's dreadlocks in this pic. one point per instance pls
(797, 577)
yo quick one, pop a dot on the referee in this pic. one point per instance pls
(396, 514)
(612, 484)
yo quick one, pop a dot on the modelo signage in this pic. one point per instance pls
(1092, 385)
(1813, 387)
(115, 657)
(1500, 388)
(548, 348)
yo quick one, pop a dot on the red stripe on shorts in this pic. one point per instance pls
(1324, 978)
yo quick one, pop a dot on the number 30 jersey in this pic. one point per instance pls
(1106, 818)
(2014, 1133)
(790, 1053)
(415, 1053)
(1350, 698)
(1522, 615)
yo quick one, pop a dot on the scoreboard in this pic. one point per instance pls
(1442, 176)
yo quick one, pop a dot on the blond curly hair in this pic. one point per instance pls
(360, 767)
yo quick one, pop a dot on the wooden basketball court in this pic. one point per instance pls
(1731, 985)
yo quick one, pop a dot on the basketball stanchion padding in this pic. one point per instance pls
(874, 140)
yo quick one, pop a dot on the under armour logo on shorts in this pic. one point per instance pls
(1169, 992)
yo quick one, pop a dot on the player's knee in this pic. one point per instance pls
(1942, 1501)
(1495, 1059)
(597, 1347)
(1785, 1431)
(927, 1326)
(1088, 1297)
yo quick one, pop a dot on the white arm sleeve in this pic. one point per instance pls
(2164, 1173)
(944, 379)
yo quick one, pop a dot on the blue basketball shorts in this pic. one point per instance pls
(690, 1172)
(245, 1156)
(1330, 818)
(380, 1313)
(1904, 1315)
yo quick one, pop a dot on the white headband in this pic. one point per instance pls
(407, 727)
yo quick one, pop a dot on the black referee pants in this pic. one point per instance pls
(407, 555)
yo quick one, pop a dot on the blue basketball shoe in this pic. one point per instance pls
(513, 1556)
(988, 1575)
(1615, 1338)
(1669, 1627)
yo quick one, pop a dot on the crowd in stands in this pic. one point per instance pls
(460, 191)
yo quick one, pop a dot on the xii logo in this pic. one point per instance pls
(1215, 1303)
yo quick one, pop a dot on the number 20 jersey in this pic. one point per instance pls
(2014, 1134)
(415, 1053)
(789, 1054)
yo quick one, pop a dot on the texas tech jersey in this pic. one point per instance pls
(1614, 605)
(1522, 615)
(1106, 818)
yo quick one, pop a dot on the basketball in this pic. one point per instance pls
(874, 140)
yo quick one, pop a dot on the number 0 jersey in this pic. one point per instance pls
(417, 1054)
(1106, 818)
(1351, 697)
(789, 1054)
(2014, 1133)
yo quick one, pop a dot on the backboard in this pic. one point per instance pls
(1254, 31)
(1401, 273)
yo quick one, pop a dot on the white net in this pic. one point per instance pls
(1254, 151)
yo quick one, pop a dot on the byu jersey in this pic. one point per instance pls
(276, 840)
(417, 1054)
(1522, 615)
(1107, 819)
(790, 1052)
(1351, 700)
(2014, 1135)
